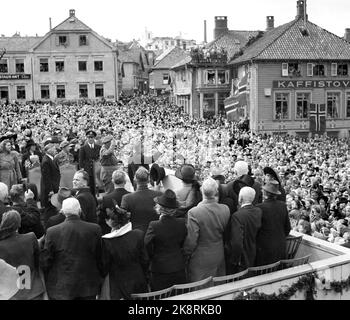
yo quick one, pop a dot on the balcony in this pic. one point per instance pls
(206, 57)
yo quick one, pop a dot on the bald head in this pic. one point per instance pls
(246, 195)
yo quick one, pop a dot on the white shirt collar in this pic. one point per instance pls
(50, 156)
(118, 233)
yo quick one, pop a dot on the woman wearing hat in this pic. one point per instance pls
(10, 171)
(271, 239)
(270, 174)
(164, 241)
(30, 150)
(124, 258)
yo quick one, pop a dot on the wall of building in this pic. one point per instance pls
(156, 78)
(129, 77)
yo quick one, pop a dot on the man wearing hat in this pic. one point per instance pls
(164, 241)
(56, 200)
(108, 162)
(271, 238)
(270, 174)
(89, 154)
(50, 174)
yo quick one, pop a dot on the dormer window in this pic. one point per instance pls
(340, 69)
(291, 69)
(319, 70)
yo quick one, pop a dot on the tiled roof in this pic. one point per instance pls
(183, 62)
(169, 60)
(287, 42)
(232, 41)
(18, 44)
(70, 24)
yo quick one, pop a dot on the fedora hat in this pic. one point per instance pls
(244, 181)
(186, 173)
(62, 194)
(273, 173)
(157, 173)
(168, 199)
(272, 187)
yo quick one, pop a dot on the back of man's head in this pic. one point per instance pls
(209, 188)
(4, 191)
(241, 168)
(246, 195)
(71, 206)
(119, 177)
(142, 175)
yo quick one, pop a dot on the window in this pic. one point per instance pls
(59, 66)
(82, 40)
(309, 69)
(208, 105)
(281, 105)
(4, 92)
(83, 91)
(302, 106)
(166, 43)
(319, 70)
(19, 65)
(166, 78)
(45, 92)
(61, 91)
(184, 46)
(221, 98)
(223, 76)
(291, 69)
(21, 92)
(348, 104)
(99, 91)
(183, 75)
(172, 42)
(342, 69)
(44, 65)
(333, 104)
(62, 40)
(82, 65)
(210, 77)
(98, 65)
(3, 66)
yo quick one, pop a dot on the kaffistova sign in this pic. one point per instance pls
(304, 84)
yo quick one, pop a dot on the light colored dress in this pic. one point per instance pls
(10, 172)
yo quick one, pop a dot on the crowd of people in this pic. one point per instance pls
(84, 203)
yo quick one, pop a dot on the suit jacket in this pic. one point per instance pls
(141, 206)
(50, 179)
(275, 227)
(87, 156)
(71, 259)
(23, 250)
(55, 220)
(204, 242)
(164, 241)
(245, 224)
(232, 194)
(107, 202)
(88, 204)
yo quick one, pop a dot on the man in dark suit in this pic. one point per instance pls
(87, 201)
(50, 174)
(271, 239)
(71, 257)
(141, 202)
(245, 224)
(164, 242)
(119, 181)
(88, 154)
(56, 200)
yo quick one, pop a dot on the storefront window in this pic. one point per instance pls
(208, 105)
(333, 104)
(281, 105)
(303, 103)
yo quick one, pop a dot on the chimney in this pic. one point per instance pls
(301, 10)
(205, 31)
(220, 26)
(270, 23)
(72, 13)
(50, 23)
(347, 34)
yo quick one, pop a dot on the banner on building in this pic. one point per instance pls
(317, 117)
(19, 76)
(236, 104)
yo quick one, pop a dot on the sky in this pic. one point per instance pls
(127, 20)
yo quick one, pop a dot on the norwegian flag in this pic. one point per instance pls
(317, 116)
(236, 104)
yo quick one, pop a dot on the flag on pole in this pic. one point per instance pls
(236, 105)
(317, 116)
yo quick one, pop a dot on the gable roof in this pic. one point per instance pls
(170, 58)
(287, 42)
(18, 44)
(232, 41)
(183, 62)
